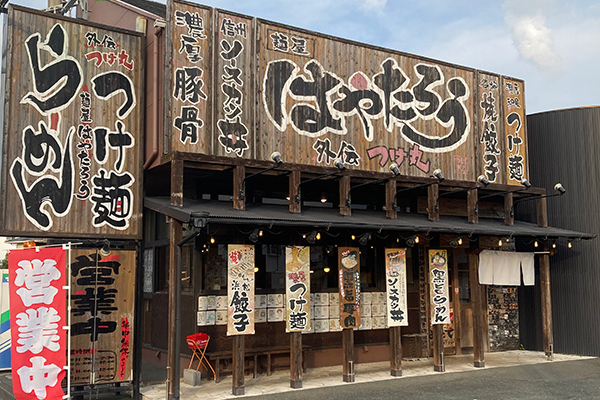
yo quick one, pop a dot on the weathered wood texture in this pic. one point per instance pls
(515, 131)
(546, 300)
(73, 130)
(438, 348)
(104, 356)
(396, 351)
(315, 98)
(509, 218)
(296, 360)
(175, 234)
(239, 349)
(348, 355)
(479, 325)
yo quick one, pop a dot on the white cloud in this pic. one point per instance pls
(532, 35)
(373, 5)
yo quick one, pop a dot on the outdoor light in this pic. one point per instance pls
(417, 239)
(323, 198)
(312, 237)
(326, 269)
(569, 244)
(393, 168)
(364, 238)
(410, 242)
(260, 233)
(553, 245)
(254, 235)
(212, 240)
(481, 179)
(559, 188)
(524, 182)
(500, 243)
(460, 242)
(318, 235)
(338, 163)
(535, 244)
(255, 269)
(436, 174)
(353, 237)
(105, 250)
(456, 242)
(276, 157)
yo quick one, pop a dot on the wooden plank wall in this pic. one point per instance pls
(73, 130)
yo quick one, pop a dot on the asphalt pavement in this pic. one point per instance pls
(550, 380)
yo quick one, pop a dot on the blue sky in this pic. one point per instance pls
(553, 45)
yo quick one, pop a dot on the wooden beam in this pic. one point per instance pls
(344, 193)
(348, 355)
(509, 219)
(296, 360)
(175, 232)
(472, 196)
(177, 182)
(395, 351)
(479, 326)
(238, 388)
(432, 198)
(390, 193)
(239, 173)
(438, 348)
(546, 305)
(294, 182)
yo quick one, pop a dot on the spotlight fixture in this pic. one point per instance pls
(364, 238)
(254, 235)
(338, 163)
(481, 179)
(312, 237)
(558, 187)
(105, 250)
(524, 182)
(410, 242)
(436, 174)
(457, 241)
(393, 169)
(276, 157)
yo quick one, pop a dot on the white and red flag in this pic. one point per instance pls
(37, 278)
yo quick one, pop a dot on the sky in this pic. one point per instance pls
(554, 46)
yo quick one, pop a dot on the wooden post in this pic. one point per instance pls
(239, 173)
(546, 305)
(432, 198)
(477, 307)
(175, 231)
(472, 196)
(542, 212)
(390, 193)
(238, 388)
(438, 348)
(508, 207)
(395, 351)
(344, 193)
(295, 360)
(294, 182)
(348, 354)
(177, 183)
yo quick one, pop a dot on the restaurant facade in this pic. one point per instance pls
(310, 200)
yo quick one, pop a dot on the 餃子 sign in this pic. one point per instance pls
(72, 137)
(240, 289)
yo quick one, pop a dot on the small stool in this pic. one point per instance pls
(198, 343)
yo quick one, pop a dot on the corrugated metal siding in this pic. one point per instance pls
(564, 146)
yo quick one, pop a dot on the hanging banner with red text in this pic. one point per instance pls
(297, 284)
(395, 279)
(349, 287)
(240, 289)
(438, 278)
(38, 303)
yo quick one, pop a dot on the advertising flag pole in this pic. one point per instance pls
(68, 327)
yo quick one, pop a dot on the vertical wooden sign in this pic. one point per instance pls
(438, 293)
(515, 131)
(349, 287)
(395, 274)
(297, 288)
(240, 289)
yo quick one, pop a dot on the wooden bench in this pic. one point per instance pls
(253, 356)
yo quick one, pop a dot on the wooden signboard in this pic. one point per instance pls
(491, 128)
(73, 129)
(395, 274)
(349, 287)
(102, 309)
(438, 290)
(191, 78)
(515, 131)
(240, 289)
(297, 288)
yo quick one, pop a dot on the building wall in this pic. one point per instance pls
(564, 147)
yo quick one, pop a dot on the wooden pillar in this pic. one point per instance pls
(239, 173)
(344, 193)
(175, 232)
(438, 348)
(542, 212)
(348, 354)
(546, 305)
(238, 387)
(295, 360)
(508, 207)
(432, 198)
(396, 351)
(477, 307)
(177, 182)
(294, 182)
(472, 196)
(390, 193)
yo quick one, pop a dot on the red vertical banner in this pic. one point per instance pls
(37, 278)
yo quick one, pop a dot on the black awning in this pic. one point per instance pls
(223, 212)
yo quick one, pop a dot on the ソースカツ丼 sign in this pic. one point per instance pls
(395, 279)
